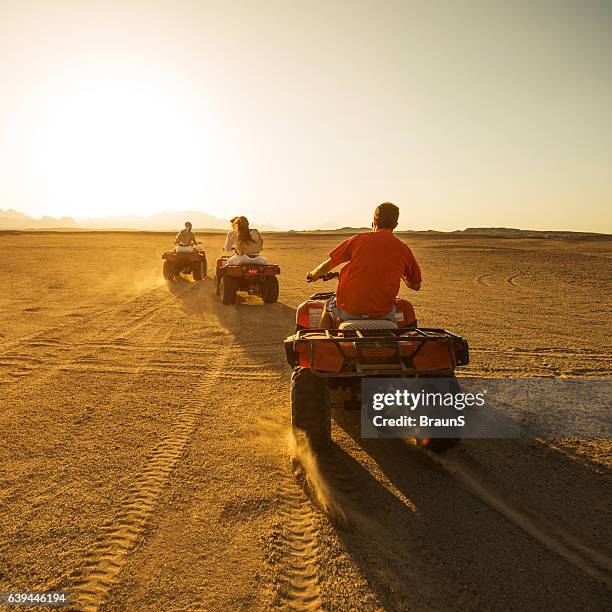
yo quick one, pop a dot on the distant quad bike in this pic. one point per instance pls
(256, 279)
(193, 263)
(324, 360)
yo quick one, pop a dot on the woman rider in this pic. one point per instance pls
(247, 243)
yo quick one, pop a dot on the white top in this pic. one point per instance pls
(250, 248)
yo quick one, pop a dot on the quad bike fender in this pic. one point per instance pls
(317, 355)
(293, 357)
(308, 315)
(404, 313)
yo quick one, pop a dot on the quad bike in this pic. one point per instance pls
(256, 279)
(193, 263)
(338, 359)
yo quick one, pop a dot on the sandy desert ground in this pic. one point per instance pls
(145, 461)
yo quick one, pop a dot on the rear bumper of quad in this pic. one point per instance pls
(399, 352)
(249, 272)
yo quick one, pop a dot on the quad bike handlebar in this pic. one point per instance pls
(325, 277)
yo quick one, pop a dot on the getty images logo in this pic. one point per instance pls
(426, 399)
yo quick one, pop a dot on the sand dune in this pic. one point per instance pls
(146, 463)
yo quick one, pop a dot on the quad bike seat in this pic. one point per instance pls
(368, 324)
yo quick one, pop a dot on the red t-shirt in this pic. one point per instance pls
(369, 283)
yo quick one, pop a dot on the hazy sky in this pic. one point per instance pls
(308, 114)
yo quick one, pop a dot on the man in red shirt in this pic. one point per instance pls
(369, 283)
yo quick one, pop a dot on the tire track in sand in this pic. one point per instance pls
(121, 535)
(85, 320)
(299, 588)
(532, 289)
(510, 280)
(480, 280)
(52, 490)
(42, 370)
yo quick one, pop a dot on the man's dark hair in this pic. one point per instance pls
(188, 223)
(386, 215)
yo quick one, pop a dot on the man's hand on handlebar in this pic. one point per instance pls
(311, 277)
(321, 271)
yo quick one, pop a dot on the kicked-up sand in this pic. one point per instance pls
(146, 461)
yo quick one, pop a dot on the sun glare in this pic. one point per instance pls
(98, 142)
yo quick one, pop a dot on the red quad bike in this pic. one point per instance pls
(256, 279)
(193, 263)
(337, 359)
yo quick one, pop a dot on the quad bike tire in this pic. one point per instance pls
(227, 289)
(217, 286)
(198, 271)
(269, 290)
(168, 270)
(439, 445)
(310, 407)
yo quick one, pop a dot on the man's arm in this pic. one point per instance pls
(323, 268)
(412, 273)
(194, 240)
(341, 254)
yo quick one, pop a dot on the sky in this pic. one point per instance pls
(306, 115)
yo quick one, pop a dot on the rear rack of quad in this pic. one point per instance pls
(191, 255)
(392, 352)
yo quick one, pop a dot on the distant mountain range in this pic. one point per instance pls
(171, 221)
(164, 221)
(157, 222)
(511, 232)
(492, 232)
(12, 219)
